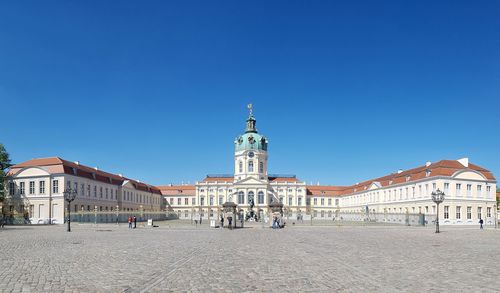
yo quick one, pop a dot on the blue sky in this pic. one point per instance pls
(157, 90)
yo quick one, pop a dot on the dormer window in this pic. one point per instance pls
(390, 182)
(427, 173)
(408, 178)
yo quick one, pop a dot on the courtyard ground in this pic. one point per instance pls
(180, 257)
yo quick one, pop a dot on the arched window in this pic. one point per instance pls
(250, 166)
(211, 200)
(261, 167)
(251, 198)
(241, 167)
(260, 195)
(241, 197)
(202, 201)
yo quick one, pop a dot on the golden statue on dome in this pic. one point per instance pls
(250, 108)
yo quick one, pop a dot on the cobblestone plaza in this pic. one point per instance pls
(180, 257)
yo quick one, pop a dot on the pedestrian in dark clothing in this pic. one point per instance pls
(135, 222)
(481, 223)
(229, 221)
(129, 222)
(200, 220)
(222, 221)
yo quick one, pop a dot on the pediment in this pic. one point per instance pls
(250, 181)
(469, 174)
(32, 172)
(374, 185)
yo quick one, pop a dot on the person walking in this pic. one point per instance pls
(481, 223)
(229, 222)
(135, 222)
(129, 222)
(222, 221)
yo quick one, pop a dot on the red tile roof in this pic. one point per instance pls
(440, 168)
(218, 179)
(79, 170)
(187, 190)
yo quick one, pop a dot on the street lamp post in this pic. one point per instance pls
(69, 196)
(437, 198)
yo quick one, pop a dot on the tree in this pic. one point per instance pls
(4, 165)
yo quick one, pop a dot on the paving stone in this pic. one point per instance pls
(181, 257)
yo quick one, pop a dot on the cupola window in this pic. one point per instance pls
(250, 166)
(261, 167)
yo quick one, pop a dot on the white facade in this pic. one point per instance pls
(37, 190)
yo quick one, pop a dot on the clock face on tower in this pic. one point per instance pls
(250, 154)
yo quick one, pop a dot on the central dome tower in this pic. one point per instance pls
(250, 152)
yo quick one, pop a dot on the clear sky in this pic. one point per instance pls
(344, 90)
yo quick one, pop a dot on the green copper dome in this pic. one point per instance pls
(251, 139)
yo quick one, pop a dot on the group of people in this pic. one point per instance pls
(277, 222)
(229, 222)
(132, 220)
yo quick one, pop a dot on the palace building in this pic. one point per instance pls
(469, 190)
(36, 188)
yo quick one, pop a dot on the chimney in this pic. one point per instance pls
(464, 161)
(428, 163)
(77, 162)
(400, 171)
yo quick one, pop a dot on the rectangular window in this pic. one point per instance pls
(55, 186)
(322, 201)
(171, 201)
(412, 192)
(193, 201)
(479, 210)
(82, 189)
(488, 212)
(41, 186)
(32, 187)
(329, 201)
(299, 201)
(336, 201)
(221, 200)
(458, 187)
(290, 201)
(95, 191)
(12, 188)
(211, 201)
(76, 186)
(179, 201)
(426, 189)
(315, 201)
(488, 191)
(106, 193)
(446, 212)
(21, 188)
(420, 190)
(446, 187)
(469, 189)
(186, 201)
(469, 213)
(202, 201)
(100, 192)
(433, 186)
(459, 212)
(479, 189)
